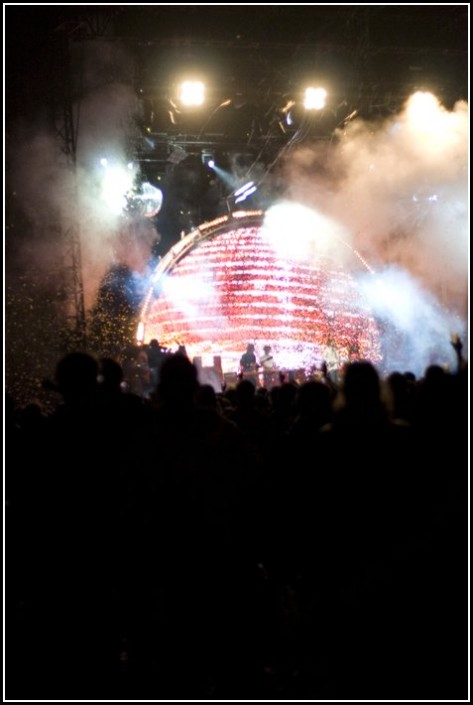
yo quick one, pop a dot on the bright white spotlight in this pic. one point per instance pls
(315, 98)
(423, 111)
(192, 93)
(243, 188)
(140, 333)
(116, 182)
(104, 161)
(208, 159)
(298, 232)
(245, 194)
(188, 292)
(422, 105)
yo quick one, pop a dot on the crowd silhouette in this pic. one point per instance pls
(305, 542)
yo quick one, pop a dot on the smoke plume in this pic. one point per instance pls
(400, 188)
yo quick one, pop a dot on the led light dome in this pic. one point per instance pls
(227, 284)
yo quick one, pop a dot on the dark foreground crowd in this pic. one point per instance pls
(304, 543)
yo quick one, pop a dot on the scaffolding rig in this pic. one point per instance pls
(65, 124)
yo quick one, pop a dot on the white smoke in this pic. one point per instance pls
(55, 197)
(416, 329)
(400, 187)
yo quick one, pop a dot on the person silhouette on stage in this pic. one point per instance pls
(249, 365)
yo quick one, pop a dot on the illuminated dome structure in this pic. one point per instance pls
(230, 283)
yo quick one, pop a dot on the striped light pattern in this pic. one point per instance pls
(232, 288)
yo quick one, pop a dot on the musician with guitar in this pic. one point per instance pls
(249, 365)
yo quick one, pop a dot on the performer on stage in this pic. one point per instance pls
(331, 359)
(267, 359)
(156, 355)
(269, 367)
(249, 365)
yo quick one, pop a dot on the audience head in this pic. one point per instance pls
(76, 376)
(178, 383)
(361, 385)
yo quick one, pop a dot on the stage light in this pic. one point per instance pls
(315, 98)
(243, 188)
(423, 110)
(208, 159)
(315, 232)
(245, 194)
(429, 121)
(116, 182)
(191, 93)
(140, 334)
(244, 191)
